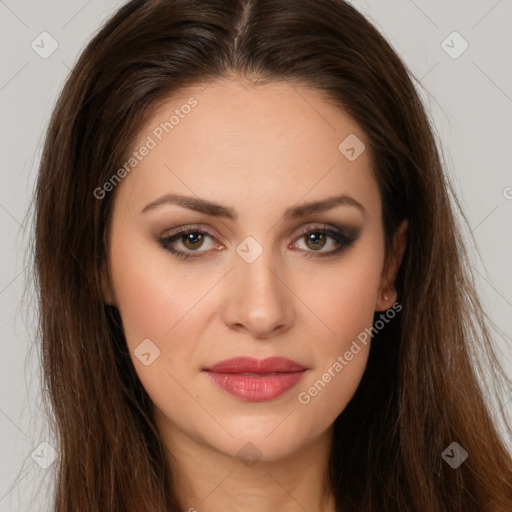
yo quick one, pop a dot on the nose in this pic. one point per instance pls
(258, 300)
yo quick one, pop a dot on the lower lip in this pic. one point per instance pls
(256, 388)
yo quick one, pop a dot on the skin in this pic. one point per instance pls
(258, 150)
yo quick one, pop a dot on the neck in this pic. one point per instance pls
(206, 480)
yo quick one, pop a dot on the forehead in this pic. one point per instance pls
(251, 146)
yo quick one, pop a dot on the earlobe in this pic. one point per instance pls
(387, 293)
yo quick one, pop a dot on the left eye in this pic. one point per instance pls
(317, 240)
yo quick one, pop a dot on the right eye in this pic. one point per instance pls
(191, 239)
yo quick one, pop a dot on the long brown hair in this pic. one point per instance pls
(421, 390)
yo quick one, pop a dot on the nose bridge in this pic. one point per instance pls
(260, 275)
(258, 299)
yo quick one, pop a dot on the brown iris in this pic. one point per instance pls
(194, 239)
(318, 240)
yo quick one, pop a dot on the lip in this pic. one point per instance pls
(244, 364)
(256, 380)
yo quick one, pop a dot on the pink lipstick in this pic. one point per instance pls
(256, 380)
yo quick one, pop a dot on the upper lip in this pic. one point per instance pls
(245, 364)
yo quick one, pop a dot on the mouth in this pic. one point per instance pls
(256, 380)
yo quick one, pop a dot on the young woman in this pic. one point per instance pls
(254, 293)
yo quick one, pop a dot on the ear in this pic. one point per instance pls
(387, 291)
(106, 286)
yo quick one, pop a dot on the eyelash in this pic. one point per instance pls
(343, 241)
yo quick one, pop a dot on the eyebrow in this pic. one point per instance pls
(294, 212)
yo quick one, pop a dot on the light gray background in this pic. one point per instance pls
(470, 99)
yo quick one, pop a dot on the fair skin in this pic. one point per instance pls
(258, 150)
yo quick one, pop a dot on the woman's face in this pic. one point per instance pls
(267, 273)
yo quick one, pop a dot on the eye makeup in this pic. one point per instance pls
(341, 238)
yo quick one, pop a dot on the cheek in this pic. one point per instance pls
(165, 304)
(150, 300)
(158, 307)
(345, 301)
(343, 296)
(340, 357)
